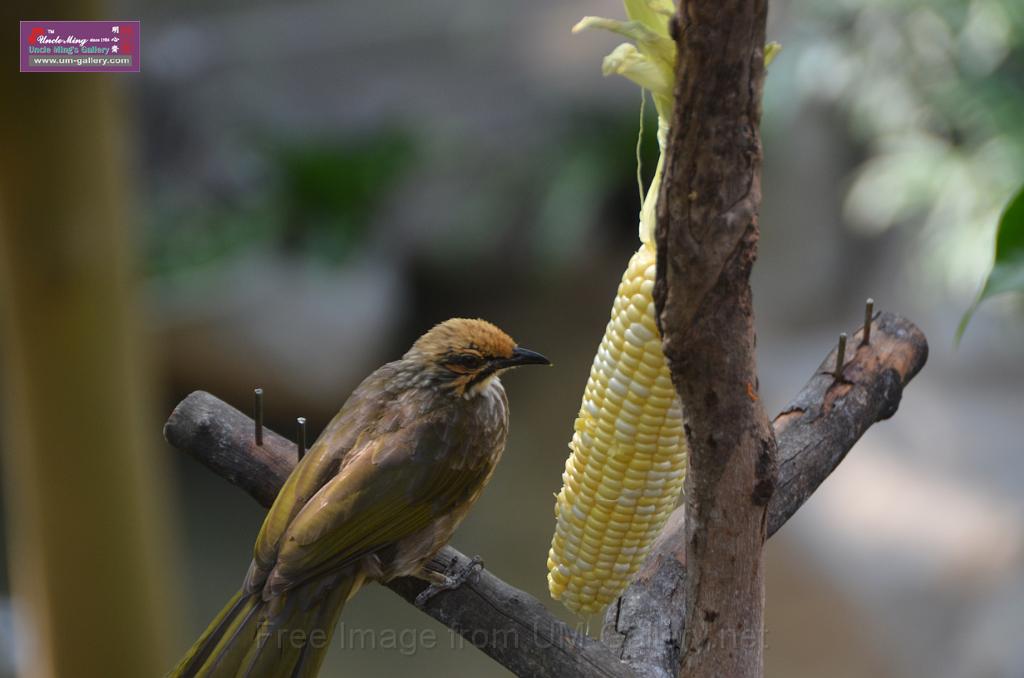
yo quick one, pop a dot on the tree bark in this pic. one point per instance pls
(707, 242)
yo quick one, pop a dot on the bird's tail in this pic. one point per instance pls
(287, 636)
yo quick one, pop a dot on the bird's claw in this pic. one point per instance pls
(452, 578)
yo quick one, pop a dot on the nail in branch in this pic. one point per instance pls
(840, 356)
(257, 406)
(869, 312)
(300, 436)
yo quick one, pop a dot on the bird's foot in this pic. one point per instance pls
(453, 577)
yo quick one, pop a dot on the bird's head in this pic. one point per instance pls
(464, 355)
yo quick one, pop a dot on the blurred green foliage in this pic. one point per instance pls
(185, 239)
(590, 179)
(329, 191)
(319, 199)
(934, 90)
(317, 202)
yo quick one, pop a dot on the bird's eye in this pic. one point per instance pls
(465, 361)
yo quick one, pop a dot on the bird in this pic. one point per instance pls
(376, 497)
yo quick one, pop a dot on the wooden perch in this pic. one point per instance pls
(814, 432)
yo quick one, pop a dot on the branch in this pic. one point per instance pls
(707, 237)
(508, 624)
(814, 432)
(829, 415)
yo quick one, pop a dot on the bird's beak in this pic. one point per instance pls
(524, 356)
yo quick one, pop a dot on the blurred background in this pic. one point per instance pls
(300, 189)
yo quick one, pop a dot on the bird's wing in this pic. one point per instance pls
(391, 487)
(320, 464)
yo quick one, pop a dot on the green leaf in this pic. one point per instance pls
(1007, 273)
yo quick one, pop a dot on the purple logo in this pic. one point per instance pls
(80, 46)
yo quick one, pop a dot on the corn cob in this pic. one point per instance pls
(628, 456)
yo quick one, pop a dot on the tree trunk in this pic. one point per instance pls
(707, 242)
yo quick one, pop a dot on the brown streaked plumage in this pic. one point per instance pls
(378, 494)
